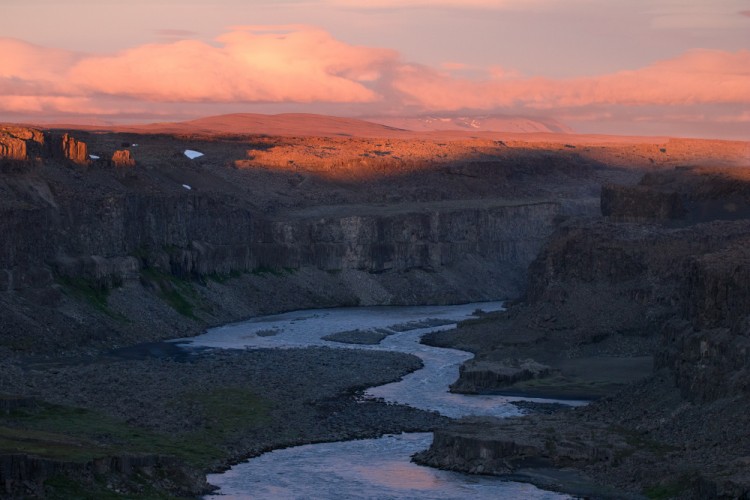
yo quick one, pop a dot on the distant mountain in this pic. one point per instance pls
(482, 123)
(287, 124)
(305, 124)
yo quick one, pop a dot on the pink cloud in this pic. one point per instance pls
(176, 33)
(696, 77)
(432, 4)
(300, 66)
(303, 64)
(24, 61)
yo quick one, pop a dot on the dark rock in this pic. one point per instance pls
(641, 202)
(25, 474)
(478, 375)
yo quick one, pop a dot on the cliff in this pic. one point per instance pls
(676, 289)
(685, 195)
(24, 476)
(16, 143)
(179, 238)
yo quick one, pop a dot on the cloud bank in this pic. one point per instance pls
(306, 65)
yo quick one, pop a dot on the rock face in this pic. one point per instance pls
(475, 375)
(12, 148)
(74, 150)
(121, 158)
(689, 283)
(686, 285)
(483, 446)
(198, 234)
(684, 195)
(708, 348)
(23, 475)
(17, 142)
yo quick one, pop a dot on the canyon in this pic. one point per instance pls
(626, 251)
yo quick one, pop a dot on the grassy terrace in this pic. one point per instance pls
(76, 435)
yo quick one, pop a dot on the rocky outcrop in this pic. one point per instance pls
(493, 446)
(122, 159)
(24, 475)
(74, 150)
(477, 375)
(16, 143)
(12, 148)
(522, 450)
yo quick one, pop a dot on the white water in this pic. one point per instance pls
(375, 468)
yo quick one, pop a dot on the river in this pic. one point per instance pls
(373, 468)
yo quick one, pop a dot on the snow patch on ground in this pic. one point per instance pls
(193, 154)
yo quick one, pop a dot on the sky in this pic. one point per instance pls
(635, 67)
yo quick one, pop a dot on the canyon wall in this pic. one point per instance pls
(672, 282)
(198, 235)
(684, 279)
(87, 231)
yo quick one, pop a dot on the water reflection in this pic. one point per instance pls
(426, 389)
(375, 468)
(364, 469)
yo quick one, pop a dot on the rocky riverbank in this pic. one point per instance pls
(206, 411)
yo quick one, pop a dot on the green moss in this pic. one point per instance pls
(226, 411)
(224, 277)
(666, 491)
(261, 270)
(218, 277)
(482, 320)
(173, 290)
(89, 291)
(48, 444)
(639, 441)
(80, 435)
